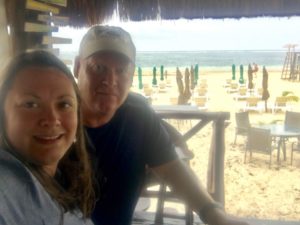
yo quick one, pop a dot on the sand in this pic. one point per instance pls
(252, 189)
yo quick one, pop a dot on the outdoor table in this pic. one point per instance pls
(279, 131)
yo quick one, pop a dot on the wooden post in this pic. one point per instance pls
(215, 173)
(5, 47)
(15, 11)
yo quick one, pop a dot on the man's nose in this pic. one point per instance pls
(110, 78)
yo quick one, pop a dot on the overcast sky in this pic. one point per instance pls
(205, 34)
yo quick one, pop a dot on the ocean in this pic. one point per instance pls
(212, 58)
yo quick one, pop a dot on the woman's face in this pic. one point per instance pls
(41, 115)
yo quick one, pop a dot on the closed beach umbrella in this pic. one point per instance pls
(241, 80)
(154, 81)
(161, 72)
(180, 86)
(140, 78)
(250, 77)
(187, 92)
(192, 78)
(233, 72)
(196, 73)
(265, 92)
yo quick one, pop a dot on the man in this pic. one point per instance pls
(126, 134)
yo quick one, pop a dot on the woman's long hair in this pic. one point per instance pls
(72, 187)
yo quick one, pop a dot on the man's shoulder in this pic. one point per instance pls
(136, 108)
(137, 101)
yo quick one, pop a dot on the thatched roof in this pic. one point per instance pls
(88, 12)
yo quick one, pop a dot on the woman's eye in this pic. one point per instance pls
(65, 105)
(30, 104)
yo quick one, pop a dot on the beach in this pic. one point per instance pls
(252, 189)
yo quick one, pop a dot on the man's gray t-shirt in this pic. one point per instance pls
(24, 201)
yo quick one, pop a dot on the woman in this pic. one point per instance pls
(44, 167)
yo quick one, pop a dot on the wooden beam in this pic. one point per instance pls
(54, 51)
(55, 40)
(57, 20)
(57, 2)
(34, 5)
(37, 27)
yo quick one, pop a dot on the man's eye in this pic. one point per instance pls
(98, 68)
(122, 71)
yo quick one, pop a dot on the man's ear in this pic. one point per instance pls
(76, 66)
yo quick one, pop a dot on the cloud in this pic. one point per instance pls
(206, 34)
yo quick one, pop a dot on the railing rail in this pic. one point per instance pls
(215, 174)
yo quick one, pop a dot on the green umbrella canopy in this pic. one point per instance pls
(161, 72)
(154, 81)
(192, 78)
(140, 78)
(241, 80)
(233, 72)
(196, 73)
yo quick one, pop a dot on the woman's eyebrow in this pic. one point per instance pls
(31, 94)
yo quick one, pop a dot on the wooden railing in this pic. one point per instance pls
(215, 175)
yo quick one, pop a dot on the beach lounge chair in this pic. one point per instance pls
(203, 83)
(242, 124)
(146, 85)
(169, 83)
(281, 103)
(259, 140)
(162, 88)
(227, 83)
(232, 88)
(148, 91)
(241, 94)
(259, 92)
(148, 94)
(174, 100)
(252, 104)
(201, 91)
(201, 102)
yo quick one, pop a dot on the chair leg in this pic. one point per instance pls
(235, 139)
